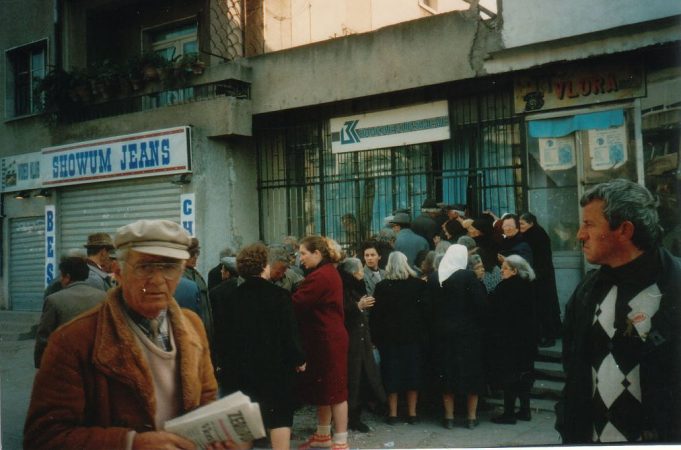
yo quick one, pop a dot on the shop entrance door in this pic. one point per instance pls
(568, 153)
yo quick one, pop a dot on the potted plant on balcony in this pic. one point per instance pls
(191, 64)
(80, 90)
(105, 78)
(151, 65)
(54, 92)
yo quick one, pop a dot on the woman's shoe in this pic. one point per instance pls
(504, 419)
(524, 415)
(337, 446)
(448, 423)
(392, 420)
(413, 420)
(316, 441)
(471, 423)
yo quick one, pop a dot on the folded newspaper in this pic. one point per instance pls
(233, 417)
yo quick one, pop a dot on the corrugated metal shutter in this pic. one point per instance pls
(88, 209)
(27, 263)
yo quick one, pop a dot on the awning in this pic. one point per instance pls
(563, 126)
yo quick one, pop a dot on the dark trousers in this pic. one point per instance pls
(519, 389)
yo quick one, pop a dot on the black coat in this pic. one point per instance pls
(256, 340)
(459, 313)
(547, 306)
(512, 335)
(399, 315)
(360, 351)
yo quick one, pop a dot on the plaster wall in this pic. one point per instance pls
(224, 184)
(533, 21)
(403, 56)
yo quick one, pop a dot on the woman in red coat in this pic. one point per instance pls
(318, 303)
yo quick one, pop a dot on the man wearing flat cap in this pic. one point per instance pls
(407, 241)
(99, 248)
(110, 378)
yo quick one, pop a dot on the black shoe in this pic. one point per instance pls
(392, 420)
(504, 419)
(471, 423)
(547, 342)
(448, 423)
(358, 425)
(413, 420)
(524, 415)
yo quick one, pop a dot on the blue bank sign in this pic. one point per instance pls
(409, 125)
(160, 152)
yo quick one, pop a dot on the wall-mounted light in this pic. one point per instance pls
(43, 193)
(21, 195)
(184, 178)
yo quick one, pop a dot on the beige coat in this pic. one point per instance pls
(94, 385)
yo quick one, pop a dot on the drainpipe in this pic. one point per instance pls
(57, 33)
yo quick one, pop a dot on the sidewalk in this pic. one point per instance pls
(16, 380)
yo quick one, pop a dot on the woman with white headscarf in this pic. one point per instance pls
(459, 309)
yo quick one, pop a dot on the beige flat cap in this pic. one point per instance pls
(154, 237)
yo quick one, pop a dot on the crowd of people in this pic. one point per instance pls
(446, 300)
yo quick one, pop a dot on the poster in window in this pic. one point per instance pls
(608, 148)
(557, 153)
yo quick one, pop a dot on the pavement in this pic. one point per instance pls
(17, 373)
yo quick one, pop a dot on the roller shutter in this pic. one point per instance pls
(104, 207)
(27, 263)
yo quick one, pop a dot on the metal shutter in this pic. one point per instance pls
(27, 263)
(87, 209)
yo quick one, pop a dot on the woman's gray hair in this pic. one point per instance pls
(351, 265)
(398, 267)
(626, 201)
(518, 263)
(441, 247)
(467, 242)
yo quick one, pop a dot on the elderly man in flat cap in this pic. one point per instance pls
(99, 248)
(110, 378)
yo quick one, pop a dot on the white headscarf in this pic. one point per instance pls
(456, 258)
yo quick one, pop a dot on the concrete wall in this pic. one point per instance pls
(532, 21)
(408, 55)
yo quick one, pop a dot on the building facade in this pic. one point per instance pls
(513, 111)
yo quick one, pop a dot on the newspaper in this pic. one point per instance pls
(233, 417)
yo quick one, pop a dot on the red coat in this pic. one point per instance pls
(318, 303)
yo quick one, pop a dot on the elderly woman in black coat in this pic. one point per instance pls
(459, 308)
(513, 337)
(363, 373)
(257, 343)
(398, 328)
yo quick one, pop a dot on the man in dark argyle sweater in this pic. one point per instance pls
(622, 335)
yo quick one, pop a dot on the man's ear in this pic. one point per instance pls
(626, 231)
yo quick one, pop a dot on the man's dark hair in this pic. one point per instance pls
(624, 200)
(75, 267)
(514, 217)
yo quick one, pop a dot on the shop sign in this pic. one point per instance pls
(20, 172)
(50, 239)
(417, 124)
(187, 215)
(160, 152)
(577, 86)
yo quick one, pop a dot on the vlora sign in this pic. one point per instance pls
(409, 125)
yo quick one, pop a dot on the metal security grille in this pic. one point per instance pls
(105, 207)
(27, 263)
(306, 189)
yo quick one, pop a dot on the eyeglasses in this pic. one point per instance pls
(147, 269)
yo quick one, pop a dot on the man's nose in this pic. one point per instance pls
(581, 234)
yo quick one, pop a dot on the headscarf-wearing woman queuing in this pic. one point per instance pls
(363, 373)
(513, 337)
(398, 328)
(548, 307)
(459, 311)
(318, 303)
(257, 343)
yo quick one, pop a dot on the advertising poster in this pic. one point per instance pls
(557, 153)
(608, 148)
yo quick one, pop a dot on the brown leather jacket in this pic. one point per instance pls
(94, 385)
